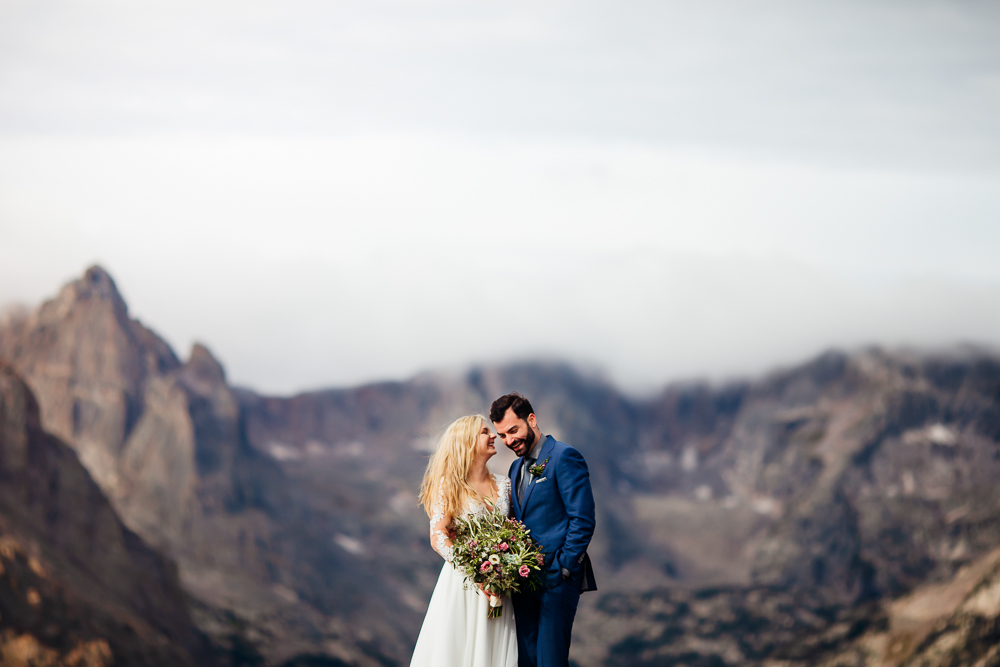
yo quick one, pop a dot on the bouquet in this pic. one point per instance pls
(496, 553)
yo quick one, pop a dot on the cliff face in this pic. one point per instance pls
(89, 365)
(773, 519)
(76, 586)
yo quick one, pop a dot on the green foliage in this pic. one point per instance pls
(497, 553)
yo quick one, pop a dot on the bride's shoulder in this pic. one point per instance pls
(501, 479)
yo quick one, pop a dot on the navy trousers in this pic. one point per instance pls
(545, 624)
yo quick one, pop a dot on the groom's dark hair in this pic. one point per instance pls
(514, 401)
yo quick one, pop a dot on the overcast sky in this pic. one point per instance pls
(328, 193)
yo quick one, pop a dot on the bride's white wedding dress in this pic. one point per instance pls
(456, 631)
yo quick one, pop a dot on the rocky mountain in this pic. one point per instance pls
(813, 499)
(740, 523)
(77, 588)
(166, 442)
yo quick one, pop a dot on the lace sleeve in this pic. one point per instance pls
(439, 527)
(503, 495)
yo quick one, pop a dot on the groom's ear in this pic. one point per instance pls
(532, 421)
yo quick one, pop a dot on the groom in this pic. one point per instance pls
(552, 497)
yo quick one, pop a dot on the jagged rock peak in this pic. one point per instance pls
(204, 366)
(99, 279)
(96, 284)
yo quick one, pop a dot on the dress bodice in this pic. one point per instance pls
(473, 507)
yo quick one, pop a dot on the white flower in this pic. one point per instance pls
(495, 559)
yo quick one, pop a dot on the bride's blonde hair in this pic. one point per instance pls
(448, 469)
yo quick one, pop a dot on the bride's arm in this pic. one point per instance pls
(507, 486)
(440, 521)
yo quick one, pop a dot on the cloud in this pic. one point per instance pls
(893, 84)
(310, 261)
(332, 192)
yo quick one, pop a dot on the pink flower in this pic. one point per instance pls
(485, 567)
(541, 560)
(524, 571)
(503, 546)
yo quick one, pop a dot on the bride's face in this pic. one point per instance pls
(484, 442)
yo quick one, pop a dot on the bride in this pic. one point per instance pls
(456, 631)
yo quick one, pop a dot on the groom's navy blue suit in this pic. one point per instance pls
(558, 508)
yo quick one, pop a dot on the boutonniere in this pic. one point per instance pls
(538, 469)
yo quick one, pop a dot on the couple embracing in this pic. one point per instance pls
(548, 489)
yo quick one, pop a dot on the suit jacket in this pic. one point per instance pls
(558, 509)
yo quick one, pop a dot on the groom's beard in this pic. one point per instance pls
(529, 441)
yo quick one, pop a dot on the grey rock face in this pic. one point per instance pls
(88, 363)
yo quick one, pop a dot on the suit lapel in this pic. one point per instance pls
(542, 455)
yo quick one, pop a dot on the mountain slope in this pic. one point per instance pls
(75, 584)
